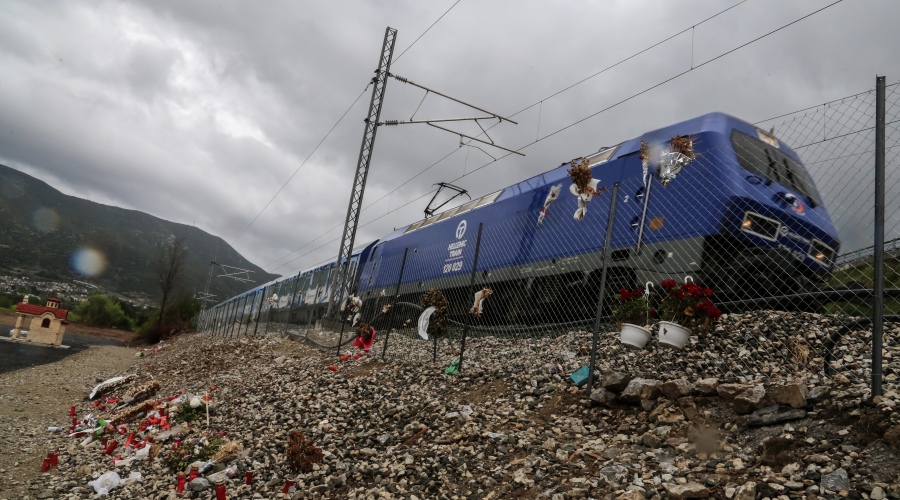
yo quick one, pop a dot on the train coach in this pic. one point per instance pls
(738, 213)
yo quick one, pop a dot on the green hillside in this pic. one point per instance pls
(43, 232)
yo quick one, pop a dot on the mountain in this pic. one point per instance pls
(50, 235)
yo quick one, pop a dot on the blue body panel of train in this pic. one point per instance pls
(710, 196)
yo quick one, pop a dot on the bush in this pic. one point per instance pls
(99, 310)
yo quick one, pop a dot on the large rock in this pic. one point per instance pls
(640, 388)
(614, 381)
(602, 396)
(632, 494)
(793, 394)
(199, 484)
(689, 490)
(706, 386)
(835, 481)
(674, 389)
(771, 415)
(688, 407)
(667, 414)
(818, 394)
(730, 391)
(746, 491)
(750, 400)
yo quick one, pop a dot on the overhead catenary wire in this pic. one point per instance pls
(302, 163)
(592, 115)
(526, 108)
(426, 31)
(577, 122)
(335, 126)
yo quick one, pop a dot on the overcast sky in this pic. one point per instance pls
(198, 112)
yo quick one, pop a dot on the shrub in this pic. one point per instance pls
(99, 310)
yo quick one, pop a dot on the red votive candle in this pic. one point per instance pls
(54, 458)
(181, 480)
(111, 447)
(248, 477)
(194, 473)
(220, 492)
(287, 486)
(130, 440)
(176, 444)
(104, 441)
(74, 420)
(46, 465)
(72, 411)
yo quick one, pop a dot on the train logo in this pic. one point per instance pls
(793, 202)
(461, 230)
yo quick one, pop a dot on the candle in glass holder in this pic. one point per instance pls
(176, 444)
(103, 442)
(181, 481)
(46, 465)
(72, 411)
(54, 458)
(111, 447)
(130, 440)
(287, 486)
(194, 473)
(248, 477)
(220, 492)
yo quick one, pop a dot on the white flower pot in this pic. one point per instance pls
(673, 335)
(634, 336)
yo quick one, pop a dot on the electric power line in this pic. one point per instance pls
(426, 169)
(301, 164)
(592, 115)
(426, 31)
(332, 129)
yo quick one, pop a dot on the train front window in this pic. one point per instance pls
(766, 161)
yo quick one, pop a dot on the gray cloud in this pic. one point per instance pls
(198, 112)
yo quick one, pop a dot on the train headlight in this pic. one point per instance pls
(821, 252)
(761, 226)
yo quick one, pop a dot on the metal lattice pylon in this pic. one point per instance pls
(340, 278)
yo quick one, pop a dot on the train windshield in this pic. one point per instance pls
(766, 161)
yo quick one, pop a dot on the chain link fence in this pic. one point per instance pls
(733, 226)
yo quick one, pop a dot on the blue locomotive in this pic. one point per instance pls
(741, 216)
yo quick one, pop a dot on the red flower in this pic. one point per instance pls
(687, 304)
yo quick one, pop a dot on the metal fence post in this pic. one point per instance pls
(237, 308)
(259, 310)
(462, 346)
(602, 297)
(394, 305)
(293, 299)
(248, 304)
(878, 309)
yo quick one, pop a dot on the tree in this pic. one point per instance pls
(99, 310)
(171, 256)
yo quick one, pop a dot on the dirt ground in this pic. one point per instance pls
(37, 397)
